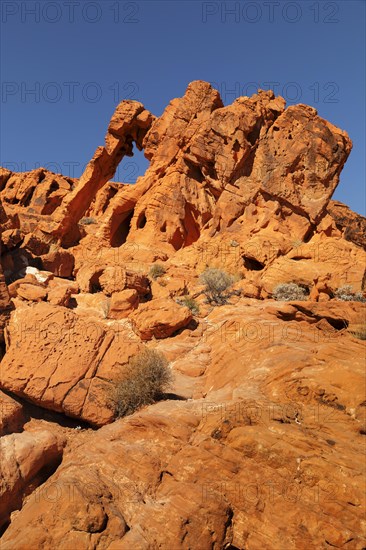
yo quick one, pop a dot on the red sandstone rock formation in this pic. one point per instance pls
(257, 445)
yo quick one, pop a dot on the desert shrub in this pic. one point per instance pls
(144, 381)
(87, 221)
(106, 306)
(216, 282)
(289, 291)
(156, 271)
(190, 303)
(346, 294)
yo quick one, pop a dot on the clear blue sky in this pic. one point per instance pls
(82, 57)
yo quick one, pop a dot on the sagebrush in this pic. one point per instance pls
(144, 381)
(216, 282)
(346, 294)
(289, 291)
(156, 271)
(190, 303)
(87, 221)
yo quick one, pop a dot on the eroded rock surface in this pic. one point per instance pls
(73, 361)
(269, 458)
(23, 456)
(257, 443)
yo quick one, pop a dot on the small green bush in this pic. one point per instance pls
(289, 291)
(346, 294)
(156, 271)
(146, 378)
(216, 282)
(190, 303)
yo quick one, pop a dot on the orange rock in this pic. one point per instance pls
(5, 304)
(122, 303)
(352, 225)
(12, 416)
(257, 445)
(115, 279)
(91, 349)
(129, 123)
(160, 318)
(57, 282)
(33, 293)
(23, 456)
(60, 262)
(28, 279)
(59, 296)
(11, 237)
(266, 426)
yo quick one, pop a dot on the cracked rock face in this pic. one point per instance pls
(268, 458)
(73, 359)
(257, 443)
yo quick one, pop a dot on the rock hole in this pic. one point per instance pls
(191, 225)
(253, 136)
(141, 222)
(252, 264)
(338, 324)
(130, 170)
(94, 284)
(112, 191)
(55, 202)
(122, 228)
(194, 171)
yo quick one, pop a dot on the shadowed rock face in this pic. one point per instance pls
(351, 224)
(257, 443)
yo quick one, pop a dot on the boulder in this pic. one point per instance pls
(33, 293)
(116, 279)
(74, 360)
(60, 262)
(123, 303)
(160, 318)
(59, 295)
